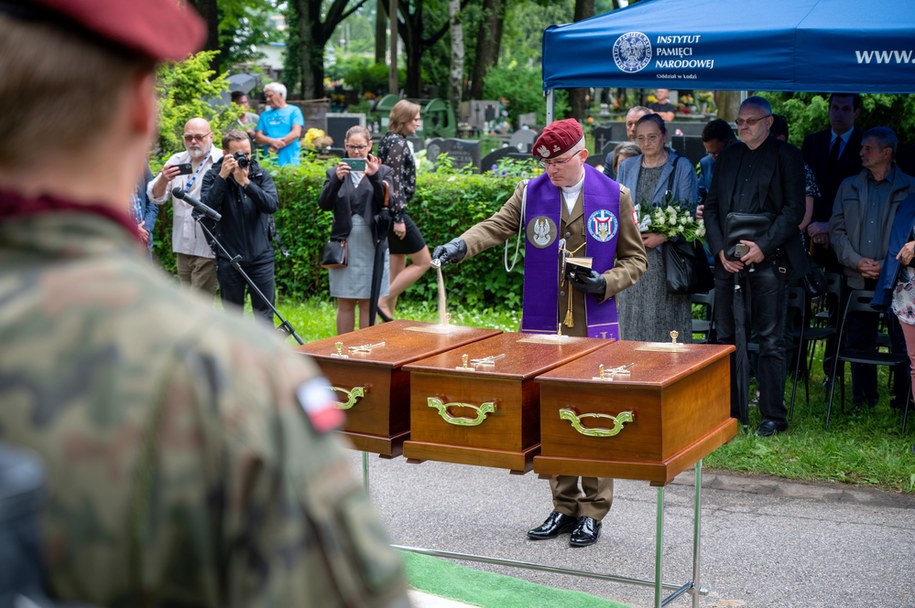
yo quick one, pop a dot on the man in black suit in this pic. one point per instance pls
(759, 176)
(833, 155)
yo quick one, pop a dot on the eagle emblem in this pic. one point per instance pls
(541, 231)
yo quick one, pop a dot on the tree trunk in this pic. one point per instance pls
(489, 41)
(209, 10)
(456, 77)
(728, 104)
(578, 98)
(381, 32)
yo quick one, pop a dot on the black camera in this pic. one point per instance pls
(242, 160)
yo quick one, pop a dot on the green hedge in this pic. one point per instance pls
(444, 206)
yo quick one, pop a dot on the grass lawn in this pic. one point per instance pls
(866, 448)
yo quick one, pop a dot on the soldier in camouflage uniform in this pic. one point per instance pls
(188, 451)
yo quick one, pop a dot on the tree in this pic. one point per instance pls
(489, 41)
(309, 34)
(456, 79)
(578, 98)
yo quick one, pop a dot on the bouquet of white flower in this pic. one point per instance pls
(670, 221)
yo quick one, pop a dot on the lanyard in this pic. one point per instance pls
(190, 182)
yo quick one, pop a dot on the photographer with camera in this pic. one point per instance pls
(240, 189)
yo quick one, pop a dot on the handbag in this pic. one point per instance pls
(743, 227)
(334, 255)
(686, 268)
(814, 281)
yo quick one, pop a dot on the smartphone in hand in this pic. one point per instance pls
(355, 164)
(185, 169)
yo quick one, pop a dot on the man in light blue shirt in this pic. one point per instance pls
(280, 127)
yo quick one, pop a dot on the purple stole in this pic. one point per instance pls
(601, 198)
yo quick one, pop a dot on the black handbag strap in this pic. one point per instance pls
(670, 178)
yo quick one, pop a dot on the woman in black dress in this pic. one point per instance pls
(404, 239)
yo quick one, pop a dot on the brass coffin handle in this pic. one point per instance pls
(575, 420)
(352, 396)
(483, 410)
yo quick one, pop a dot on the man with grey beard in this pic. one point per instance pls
(195, 260)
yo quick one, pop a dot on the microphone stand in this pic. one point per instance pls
(284, 326)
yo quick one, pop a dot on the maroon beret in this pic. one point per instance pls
(557, 137)
(157, 29)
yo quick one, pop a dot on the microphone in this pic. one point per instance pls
(193, 202)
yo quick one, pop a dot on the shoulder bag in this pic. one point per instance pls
(686, 268)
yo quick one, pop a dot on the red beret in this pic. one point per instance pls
(158, 29)
(557, 138)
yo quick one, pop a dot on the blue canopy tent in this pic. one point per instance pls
(769, 45)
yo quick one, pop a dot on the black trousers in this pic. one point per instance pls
(765, 304)
(232, 285)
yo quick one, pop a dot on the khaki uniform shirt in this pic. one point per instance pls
(181, 466)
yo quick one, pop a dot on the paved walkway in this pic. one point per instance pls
(765, 542)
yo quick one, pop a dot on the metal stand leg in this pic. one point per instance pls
(365, 470)
(697, 528)
(658, 548)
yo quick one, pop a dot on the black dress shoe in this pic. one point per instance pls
(384, 318)
(586, 533)
(554, 525)
(769, 428)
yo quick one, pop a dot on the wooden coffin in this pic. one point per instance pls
(662, 414)
(370, 382)
(468, 410)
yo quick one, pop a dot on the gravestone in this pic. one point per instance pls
(527, 120)
(491, 160)
(603, 136)
(314, 112)
(338, 123)
(417, 142)
(478, 112)
(690, 147)
(462, 152)
(523, 140)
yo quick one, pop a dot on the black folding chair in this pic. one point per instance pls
(859, 301)
(704, 325)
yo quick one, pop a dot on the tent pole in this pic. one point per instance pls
(549, 106)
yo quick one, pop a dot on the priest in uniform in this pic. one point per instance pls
(570, 210)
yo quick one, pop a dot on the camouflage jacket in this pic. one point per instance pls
(182, 467)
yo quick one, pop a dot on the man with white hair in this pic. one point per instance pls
(195, 260)
(280, 127)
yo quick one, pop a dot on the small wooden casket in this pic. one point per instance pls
(479, 404)
(365, 369)
(668, 407)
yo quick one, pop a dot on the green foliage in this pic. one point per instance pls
(184, 89)
(445, 205)
(364, 75)
(243, 24)
(523, 88)
(808, 112)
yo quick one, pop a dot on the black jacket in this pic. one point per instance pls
(781, 194)
(247, 226)
(336, 196)
(816, 154)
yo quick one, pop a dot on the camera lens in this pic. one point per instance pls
(241, 159)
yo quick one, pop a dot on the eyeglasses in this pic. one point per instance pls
(647, 139)
(554, 163)
(750, 121)
(195, 137)
(355, 147)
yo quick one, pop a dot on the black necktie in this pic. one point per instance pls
(834, 152)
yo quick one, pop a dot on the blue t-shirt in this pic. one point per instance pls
(278, 123)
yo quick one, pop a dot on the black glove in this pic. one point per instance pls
(588, 283)
(452, 251)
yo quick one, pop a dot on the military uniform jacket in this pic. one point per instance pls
(182, 468)
(631, 261)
